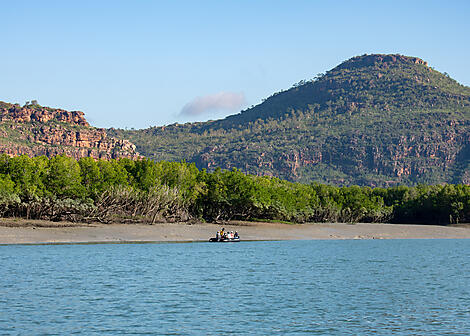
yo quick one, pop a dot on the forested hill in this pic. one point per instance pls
(373, 120)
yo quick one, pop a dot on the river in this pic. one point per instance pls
(344, 287)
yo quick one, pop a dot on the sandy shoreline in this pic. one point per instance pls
(14, 231)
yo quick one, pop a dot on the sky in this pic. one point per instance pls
(136, 64)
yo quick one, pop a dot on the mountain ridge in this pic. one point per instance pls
(372, 120)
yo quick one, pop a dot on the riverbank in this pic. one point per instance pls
(20, 231)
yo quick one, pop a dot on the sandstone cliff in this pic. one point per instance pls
(36, 130)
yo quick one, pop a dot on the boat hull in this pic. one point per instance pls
(225, 240)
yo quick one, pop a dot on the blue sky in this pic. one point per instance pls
(137, 64)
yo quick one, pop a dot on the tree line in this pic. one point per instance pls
(123, 190)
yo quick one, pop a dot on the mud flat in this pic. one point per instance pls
(20, 231)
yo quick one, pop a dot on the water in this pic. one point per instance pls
(393, 287)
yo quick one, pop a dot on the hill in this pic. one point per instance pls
(372, 120)
(37, 130)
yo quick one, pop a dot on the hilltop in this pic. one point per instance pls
(36, 130)
(372, 120)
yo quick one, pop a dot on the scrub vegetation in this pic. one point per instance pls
(123, 190)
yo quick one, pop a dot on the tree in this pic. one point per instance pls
(63, 178)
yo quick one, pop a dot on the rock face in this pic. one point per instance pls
(36, 130)
(36, 113)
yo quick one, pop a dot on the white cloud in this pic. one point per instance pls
(222, 101)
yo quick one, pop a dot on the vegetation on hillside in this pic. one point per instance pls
(62, 188)
(374, 120)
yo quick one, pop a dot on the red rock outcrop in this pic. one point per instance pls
(35, 130)
(36, 113)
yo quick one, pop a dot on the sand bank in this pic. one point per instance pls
(31, 232)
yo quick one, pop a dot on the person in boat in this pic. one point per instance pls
(236, 235)
(222, 233)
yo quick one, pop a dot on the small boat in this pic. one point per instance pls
(224, 240)
(227, 237)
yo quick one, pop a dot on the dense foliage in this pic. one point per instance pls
(146, 191)
(374, 120)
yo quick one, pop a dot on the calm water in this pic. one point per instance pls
(393, 287)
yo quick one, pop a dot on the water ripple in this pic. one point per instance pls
(399, 287)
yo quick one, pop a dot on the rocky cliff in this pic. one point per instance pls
(36, 130)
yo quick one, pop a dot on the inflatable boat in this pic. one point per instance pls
(224, 240)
